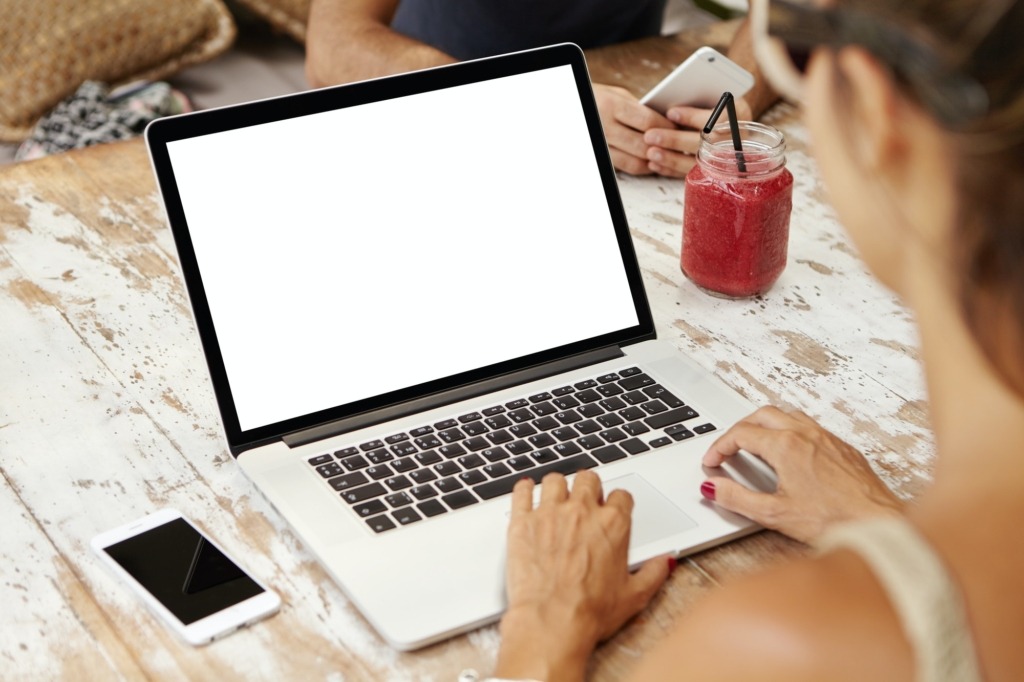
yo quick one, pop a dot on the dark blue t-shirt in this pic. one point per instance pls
(467, 29)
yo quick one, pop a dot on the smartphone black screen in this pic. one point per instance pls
(185, 573)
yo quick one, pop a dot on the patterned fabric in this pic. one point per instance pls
(94, 115)
(922, 592)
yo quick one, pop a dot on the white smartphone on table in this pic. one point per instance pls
(184, 577)
(700, 81)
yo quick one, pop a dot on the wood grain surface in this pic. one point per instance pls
(106, 414)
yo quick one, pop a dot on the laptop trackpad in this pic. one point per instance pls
(654, 516)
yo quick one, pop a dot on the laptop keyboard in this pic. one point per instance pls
(453, 463)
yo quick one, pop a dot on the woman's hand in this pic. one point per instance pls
(569, 586)
(672, 151)
(822, 480)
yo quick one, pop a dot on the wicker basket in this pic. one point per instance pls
(50, 47)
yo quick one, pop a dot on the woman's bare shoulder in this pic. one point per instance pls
(812, 619)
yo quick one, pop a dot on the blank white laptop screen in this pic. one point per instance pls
(359, 251)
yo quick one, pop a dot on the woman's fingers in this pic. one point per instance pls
(587, 487)
(522, 496)
(553, 488)
(759, 507)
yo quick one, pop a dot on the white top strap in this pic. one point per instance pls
(921, 591)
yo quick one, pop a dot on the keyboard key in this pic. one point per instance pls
(458, 500)
(476, 443)
(428, 441)
(372, 445)
(403, 449)
(679, 414)
(424, 492)
(370, 508)
(634, 382)
(636, 397)
(612, 435)
(516, 404)
(346, 452)
(379, 524)
(475, 428)
(588, 396)
(567, 449)
(397, 438)
(452, 451)
(497, 470)
(471, 417)
(629, 372)
(660, 442)
(447, 468)
(589, 426)
(472, 477)
(427, 458)
(494, 454)
(398, 500)
(541, 440)
(522, 430)
(500, 436)
(608, 390)
(610, 420)
(590, 442)
(632, 413)
(423, 475)
(569, 417)
(565, 403)
(448, 485)
(653, 407)
(320, 459)
(519, 447)
(607, 378)
(608, 453)
(379, 456)
(380, 471)
(521, 462)
(330, 469)
(354, 463)
(565, 433)
(406, 515)
(405, 464)
(612, 404)
(431, 508)
(704, 428)
(398, 483)
(562, 390)
(541, 409)
(590, 411)
(682, 434)
(589, 383)
(498, 422)
(446, 424)
(451, 435)
(546, 423)
(634, 446)
(502, 486)
(635, 428)
(348, 481)
(544, 456)
(421, 431)
(363, 493)
(471, 461)
(491, 411)
(540, 397)
(521, 415)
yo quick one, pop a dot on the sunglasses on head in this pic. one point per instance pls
(787, 32)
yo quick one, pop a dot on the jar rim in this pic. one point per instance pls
(767, 143)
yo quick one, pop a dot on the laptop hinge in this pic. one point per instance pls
(454, 395)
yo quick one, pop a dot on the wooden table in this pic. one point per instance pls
(106, 414)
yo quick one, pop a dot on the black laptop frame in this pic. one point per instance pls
(374, 409)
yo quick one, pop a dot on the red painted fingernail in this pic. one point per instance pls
(672, 563)
(707, 489)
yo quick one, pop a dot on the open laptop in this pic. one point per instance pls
(413, 291)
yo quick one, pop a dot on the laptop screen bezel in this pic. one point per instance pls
(167, 130)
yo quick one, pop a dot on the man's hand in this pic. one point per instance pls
(625, 121)
(673, 152)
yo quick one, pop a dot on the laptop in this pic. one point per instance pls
(413, 291)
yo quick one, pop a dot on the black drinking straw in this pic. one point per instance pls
(727, 103)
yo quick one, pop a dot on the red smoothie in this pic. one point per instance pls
(736, 224)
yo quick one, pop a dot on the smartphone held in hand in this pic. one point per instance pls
(700, 81)
(184, 577)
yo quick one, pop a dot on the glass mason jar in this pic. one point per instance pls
(736, 221)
